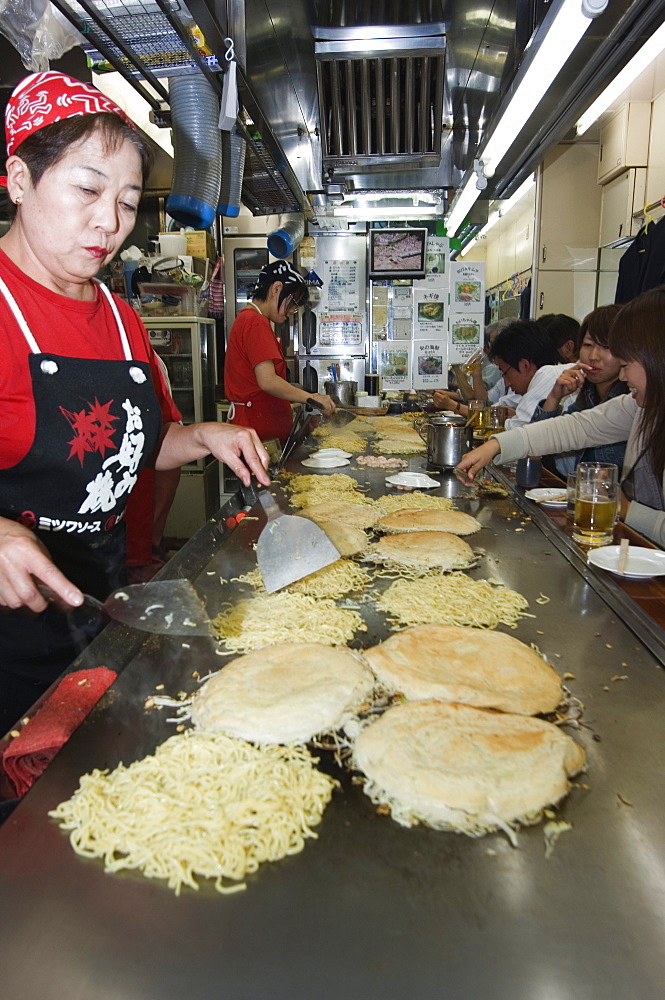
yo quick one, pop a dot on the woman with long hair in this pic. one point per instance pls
(636, 341)
(599, 371)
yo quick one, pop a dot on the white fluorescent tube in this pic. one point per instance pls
(503, 209)
(464, 200)
(565, 32)
(376, 212)
(623, 80)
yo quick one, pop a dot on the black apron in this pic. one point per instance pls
(97, 423)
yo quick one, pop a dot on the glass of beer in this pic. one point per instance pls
(478, 416)
(596, 501)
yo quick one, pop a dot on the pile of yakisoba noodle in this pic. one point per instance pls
(309, 490)
(203, 806)
(342, 439)
(453, 599)
(285, 617)
(332, 581)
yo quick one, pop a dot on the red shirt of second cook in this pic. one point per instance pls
(252, 341)
(63, 326)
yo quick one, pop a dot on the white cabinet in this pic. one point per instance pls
(624, 141)
(622, 196)
(569, 292)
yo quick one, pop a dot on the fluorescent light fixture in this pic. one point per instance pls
(465, 198)
(117, 89)
(502, 210)
(566, 30)
(546, 61)
(377, 212)
(623, 80)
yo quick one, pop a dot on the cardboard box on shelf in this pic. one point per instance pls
(200, 243)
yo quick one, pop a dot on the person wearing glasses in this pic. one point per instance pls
(254, 366)
(529, 366)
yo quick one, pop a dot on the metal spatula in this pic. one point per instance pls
(167, 607)
(290, 547)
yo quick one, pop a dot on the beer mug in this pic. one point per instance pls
(596, 502)
(478, 416)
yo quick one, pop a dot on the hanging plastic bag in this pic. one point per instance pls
(38, 32)
(228, 111)
(216, 291)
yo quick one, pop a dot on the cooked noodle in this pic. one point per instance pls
(413, 501)
(285, 617)
(203, 805)
(455, 599)
(332, 581)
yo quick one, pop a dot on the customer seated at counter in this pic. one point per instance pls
(563, 332)
(636, 341)
(529, 366)
(599, 370)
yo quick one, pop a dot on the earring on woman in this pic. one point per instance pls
(18, 201)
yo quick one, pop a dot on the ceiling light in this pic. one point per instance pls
(562, 36)
(464, 200)
(623, 80)
(379, 212)
(503, 208)
(561, 32)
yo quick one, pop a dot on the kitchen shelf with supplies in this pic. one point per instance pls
(186, 345)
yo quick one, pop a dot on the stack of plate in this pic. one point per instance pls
(327, 458)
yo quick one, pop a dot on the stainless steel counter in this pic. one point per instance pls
(370, 909)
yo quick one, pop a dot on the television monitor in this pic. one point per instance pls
(397, 253)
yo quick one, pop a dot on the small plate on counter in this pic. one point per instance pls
(325, 452)
(549, 497)
(325, 462)
(641, 562)
(416, 480)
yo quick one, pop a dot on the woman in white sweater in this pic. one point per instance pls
(637, 339)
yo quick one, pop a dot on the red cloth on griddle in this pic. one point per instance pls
(30, 753)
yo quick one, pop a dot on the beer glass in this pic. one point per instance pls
(497, 419)
(596, 501)
(478, 414)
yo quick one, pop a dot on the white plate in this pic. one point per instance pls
(418, 480)
(641, 562)
(327, 462)
(325, 452)
(543, 495)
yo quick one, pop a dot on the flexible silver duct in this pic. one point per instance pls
(287, 237)
(197, 145)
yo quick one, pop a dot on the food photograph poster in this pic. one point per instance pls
(429, 312)
(467, 288)
(466, 335)
(394, 365)
(430, 364)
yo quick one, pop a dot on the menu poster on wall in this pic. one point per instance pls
(436, 255)
(339, 330)
(466, 335)
(430, 364)
(429, 312)
(394, 365)
(380, 312)
(341, 285)
(467, 287)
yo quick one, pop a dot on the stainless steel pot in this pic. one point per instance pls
(447, 440)
(343, 393)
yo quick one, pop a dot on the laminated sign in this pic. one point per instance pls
(430, 364)
(394, 365)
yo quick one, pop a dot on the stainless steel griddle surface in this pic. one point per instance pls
(369, 909)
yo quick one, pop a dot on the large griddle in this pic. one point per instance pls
(369, 909)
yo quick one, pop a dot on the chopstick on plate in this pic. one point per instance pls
(623, 556)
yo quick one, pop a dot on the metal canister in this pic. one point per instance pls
(447, 440)
(343, 393)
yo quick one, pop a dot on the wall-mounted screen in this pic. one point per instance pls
(397, 253)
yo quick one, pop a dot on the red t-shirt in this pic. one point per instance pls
(64, 326)
(252, 341)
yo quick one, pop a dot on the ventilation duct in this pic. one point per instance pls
(233, 166)
(197, 149)
(284, 240)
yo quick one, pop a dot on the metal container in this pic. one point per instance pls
(343, 393)
(447, 440)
